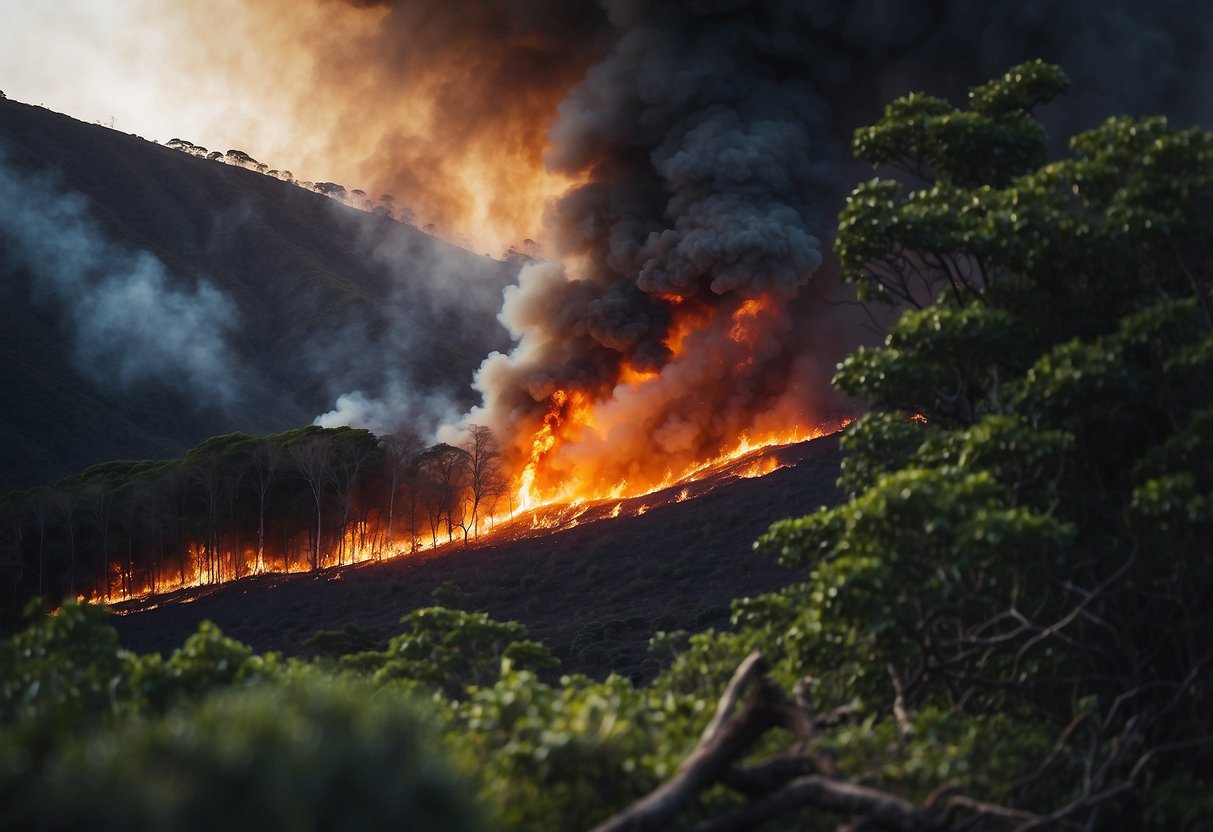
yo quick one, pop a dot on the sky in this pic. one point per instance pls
(331, 91)
(98, 60)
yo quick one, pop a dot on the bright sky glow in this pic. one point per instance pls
(92, 59)
(127, 61)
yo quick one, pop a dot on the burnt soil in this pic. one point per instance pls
(594, 593)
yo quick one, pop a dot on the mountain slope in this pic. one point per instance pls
(594, 593)
(149, 299)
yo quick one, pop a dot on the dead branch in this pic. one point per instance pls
(727, 737)
(774, 786)
(752, 665)
(801, 779)
(881, 809)
(899, 708)
(770, 775)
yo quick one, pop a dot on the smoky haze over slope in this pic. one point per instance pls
(699, 147)
(709, 144)
(152, 299)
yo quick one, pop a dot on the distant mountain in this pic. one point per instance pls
(149, 299)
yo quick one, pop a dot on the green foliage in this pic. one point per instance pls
(1035, 465)
(449, 650)
(311, 754)
(990, 144)
(571, 754)
(63, 672)
(207, 661)
(349, 639)
(66, 672)
(448, 594)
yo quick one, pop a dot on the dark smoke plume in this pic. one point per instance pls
(702, 143)
(713, 135)
(713, 175)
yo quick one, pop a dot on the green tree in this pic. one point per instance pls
(450, 650)
(1029, 498)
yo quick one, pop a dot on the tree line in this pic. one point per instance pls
(385, 205)
(239, 504)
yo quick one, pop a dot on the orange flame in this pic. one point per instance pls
(561, 468)
(573, 470)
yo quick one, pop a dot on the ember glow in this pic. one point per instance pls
(651, 429)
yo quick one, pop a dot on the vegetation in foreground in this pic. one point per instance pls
(1004, 626)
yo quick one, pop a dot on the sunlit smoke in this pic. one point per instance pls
(446, 106)
(680, 161)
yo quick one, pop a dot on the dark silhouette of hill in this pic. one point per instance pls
(150, 299)
(594, 593)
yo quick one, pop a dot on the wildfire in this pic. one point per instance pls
(652, 437)
(745, 321)
(760, 468)
(589, 449)
(567, 413)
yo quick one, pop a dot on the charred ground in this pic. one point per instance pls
(594, 594)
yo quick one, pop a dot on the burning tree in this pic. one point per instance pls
(400, 454)
(485, 480)
(312, 459)
(237, 505)
(444, 471)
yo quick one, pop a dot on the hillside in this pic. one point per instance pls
(149, 299)
(594, 593)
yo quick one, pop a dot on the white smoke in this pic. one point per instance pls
(128, 321)
(391, 408)
(443, 301)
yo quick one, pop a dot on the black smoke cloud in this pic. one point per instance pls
(706, 143)
(713, 134)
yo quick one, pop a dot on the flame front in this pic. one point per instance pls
(566, 415)
(654, 428)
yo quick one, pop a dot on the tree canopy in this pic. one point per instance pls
(1025, 540)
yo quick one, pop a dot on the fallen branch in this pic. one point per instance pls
(881, 809)
(728, 736)
(775, 786)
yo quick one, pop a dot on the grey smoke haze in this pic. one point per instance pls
(385, 379)
(128, 321)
